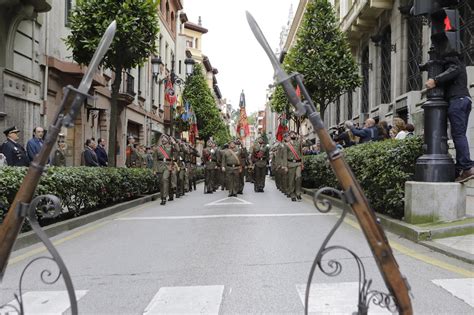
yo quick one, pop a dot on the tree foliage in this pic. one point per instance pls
(322, 54)
(199, 96)
(137, 28)
(134, 41)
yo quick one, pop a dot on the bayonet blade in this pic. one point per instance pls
(86, 81)
(99, 54)
(280, 74)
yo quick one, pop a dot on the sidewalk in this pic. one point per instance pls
(454, 239)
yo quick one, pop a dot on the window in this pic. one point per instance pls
(415, 44)
(68, 10)
(386, 52)
(173, 26)
(365, 81)
(466, 12)
(179, 67)
(189, 43)
(338, 110)
(197, 43)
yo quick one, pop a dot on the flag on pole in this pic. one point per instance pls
(170, 95)
(243, 129)
(282, 127)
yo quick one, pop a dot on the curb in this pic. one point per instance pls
(422, 236)
(29, 238)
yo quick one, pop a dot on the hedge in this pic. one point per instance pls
(382, 168)
(81, 189)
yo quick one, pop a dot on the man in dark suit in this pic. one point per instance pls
(14, 153)
(89, 156)
(101, 153)
(34, 145)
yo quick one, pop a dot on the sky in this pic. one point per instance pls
(232, 47)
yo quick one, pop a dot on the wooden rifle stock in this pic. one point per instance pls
(378, 242)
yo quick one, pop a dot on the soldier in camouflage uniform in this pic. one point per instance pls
(193, 155)
(174, 170)
(259, 157)
(181, 170)
(231, 165)
(162, 164)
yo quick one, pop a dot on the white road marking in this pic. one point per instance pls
(461, 288)
(218, 216)
(335, 298)
(46, 302)
(186, 300)
(229, 201)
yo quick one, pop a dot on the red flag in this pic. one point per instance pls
(170, 95)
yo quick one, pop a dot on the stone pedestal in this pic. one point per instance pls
(433, 202)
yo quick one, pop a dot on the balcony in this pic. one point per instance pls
(362, 17)
(127, 90)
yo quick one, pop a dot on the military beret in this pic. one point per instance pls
(10, 130)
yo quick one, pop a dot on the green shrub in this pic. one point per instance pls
(382, 168)
(81, 189)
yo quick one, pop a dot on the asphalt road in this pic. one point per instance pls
(212, 254)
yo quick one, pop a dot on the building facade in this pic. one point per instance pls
(388, 44)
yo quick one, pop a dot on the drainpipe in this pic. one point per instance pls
(46, 69)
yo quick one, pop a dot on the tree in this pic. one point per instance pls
(137, 29)
(199, 96)
(322, 54)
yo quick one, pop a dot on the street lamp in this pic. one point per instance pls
(155, 63)
(189, 62)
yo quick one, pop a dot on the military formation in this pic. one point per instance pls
(287, 165)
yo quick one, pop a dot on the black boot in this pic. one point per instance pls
(163, 201)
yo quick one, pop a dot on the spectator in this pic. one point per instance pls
(14, 153)
(88, 156)
(59, 156)
(400, 128)
(410, 130)
(33, 147)
(454, 81)
(102, 153)
(149, 157)
(346, 137)
(384, 130)
(368, 133)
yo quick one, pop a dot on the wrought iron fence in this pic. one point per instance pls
(386, 69)
(365, 81)
(466, 10)
(415, 52)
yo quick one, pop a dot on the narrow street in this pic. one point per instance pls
(212, 254)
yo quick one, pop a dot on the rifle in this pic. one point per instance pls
(15, 217)
(352, 194)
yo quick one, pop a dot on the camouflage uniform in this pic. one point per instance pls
(162, 163)
(260, 155)
(231, 163)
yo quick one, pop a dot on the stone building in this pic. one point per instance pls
(388, 44)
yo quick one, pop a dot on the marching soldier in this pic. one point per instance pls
(292, 165)
(231, 165)
(174, 170)
(243, 155)
(131, 159)
(14, 153)
(182, 167)
(162, 164)
(209, 155)
(192, 167)
(260, 155)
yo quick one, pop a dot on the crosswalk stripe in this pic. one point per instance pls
(463, 289)
(335, 298)
(186, 300)
(46, 302)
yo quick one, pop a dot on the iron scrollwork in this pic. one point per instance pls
(47, 206)
(333, 268)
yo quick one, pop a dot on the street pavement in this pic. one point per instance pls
(209, 254)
